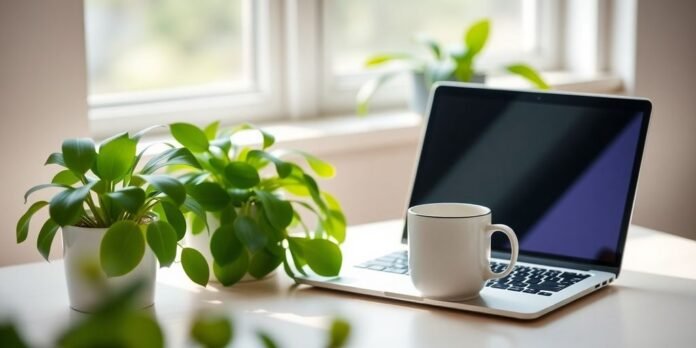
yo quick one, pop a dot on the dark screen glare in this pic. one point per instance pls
(561, 175)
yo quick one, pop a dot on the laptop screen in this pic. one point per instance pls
(559, 169)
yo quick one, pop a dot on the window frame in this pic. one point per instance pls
(292, 73)
(259, 101)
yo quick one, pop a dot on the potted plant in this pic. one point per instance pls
(257, 201)
(105, 208)
(454, 64)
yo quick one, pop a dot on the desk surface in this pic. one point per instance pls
(653, 303)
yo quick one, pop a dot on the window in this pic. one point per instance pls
(159, 61)
(153, 62)
(355, 29)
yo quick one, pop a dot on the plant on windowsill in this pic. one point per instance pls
(255, 198)
(455, 64)
(106, 207)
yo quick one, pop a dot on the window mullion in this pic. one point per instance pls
(303, 57)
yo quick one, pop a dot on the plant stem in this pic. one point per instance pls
(95, 211)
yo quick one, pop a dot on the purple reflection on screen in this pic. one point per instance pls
(589, 214)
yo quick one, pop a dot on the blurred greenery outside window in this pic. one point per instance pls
(142, 50)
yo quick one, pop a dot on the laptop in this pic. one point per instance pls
(559, 168)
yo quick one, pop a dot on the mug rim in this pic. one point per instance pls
(414, 213)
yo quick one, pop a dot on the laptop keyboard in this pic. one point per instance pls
(525, 279)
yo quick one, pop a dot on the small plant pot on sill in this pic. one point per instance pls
(81, 250)
(201, 242)
(421, 91)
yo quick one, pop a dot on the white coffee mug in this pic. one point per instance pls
(449, 249)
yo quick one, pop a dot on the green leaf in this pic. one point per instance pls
(224, 144)
(41, 187)
(55, 158)
(65, 177)
(314, 191)
(268, 139)
(232, 272)
(46, 235)
(10, 337)
(79, 154)
(140, 330)
(228, 215)
(116, 157)
(338, 333)
(23, 223)
(195, 208)
(527, 72)
(264, 262)
(143, 151)
(464, 71)
(241, 175)
(122, 248)
(224, 245)
(131, 198)
(175, 218)
(118, 326)
(268, 230)
(66, 208)
(197, 225)
(190, 136)
(322, 256)
(239, 196)
(195, 266)
(266, 340)
(335, 225)
(331, 201)
(170, 157)
(476, 37)
(278, 212)
(297, 258)
(162, 239)
(382, 58)
(368, 89)
(142, 132)
(211, 130)
(249, 233)
(209, 195)
(431, 44)
(322, 168)
(211, 331)
(171, 187)
(282, 168)
(286, 267)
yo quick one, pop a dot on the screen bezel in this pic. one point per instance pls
(638, 105)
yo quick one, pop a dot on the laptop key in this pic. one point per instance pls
(515, 288)
(499, 286)
(395, 270)
(376, 268)
(530, 291)
(547, 287)
(544, 293)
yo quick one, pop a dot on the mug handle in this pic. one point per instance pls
(513, 243)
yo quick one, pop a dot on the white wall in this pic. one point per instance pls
(42, 101)
(665, 71)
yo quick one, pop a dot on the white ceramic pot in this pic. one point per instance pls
(421, 92)
(201, 242)
(80, 250)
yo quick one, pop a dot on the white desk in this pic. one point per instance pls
(653, 304)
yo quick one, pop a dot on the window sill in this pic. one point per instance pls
(349, 133)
